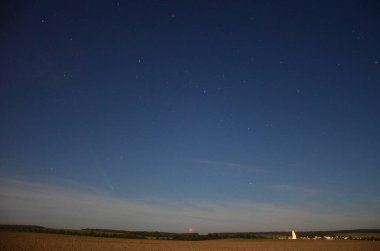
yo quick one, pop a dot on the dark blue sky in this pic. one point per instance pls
(250, 109)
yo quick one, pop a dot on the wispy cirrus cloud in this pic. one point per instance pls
(25, 202)
(229, 165)
(296, 189)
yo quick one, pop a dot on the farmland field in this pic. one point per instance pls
(10, 241)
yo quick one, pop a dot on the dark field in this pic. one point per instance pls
(10, 241)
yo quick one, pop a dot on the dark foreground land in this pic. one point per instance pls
(10, 241)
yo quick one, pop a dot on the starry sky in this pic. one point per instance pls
(215, 115)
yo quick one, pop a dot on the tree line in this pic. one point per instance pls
(110, 233)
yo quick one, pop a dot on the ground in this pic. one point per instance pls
(10, 241)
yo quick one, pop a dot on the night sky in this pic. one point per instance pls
(215, 115)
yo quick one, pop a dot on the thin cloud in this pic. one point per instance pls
(229, 165)
(296, 189)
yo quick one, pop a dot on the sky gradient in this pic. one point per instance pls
(215, 115)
